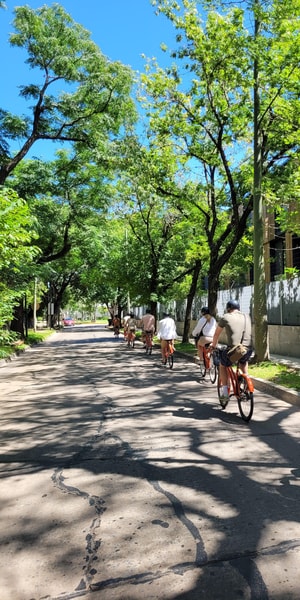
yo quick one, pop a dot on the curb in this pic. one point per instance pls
(285, 394)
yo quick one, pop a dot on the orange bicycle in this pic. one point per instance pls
(207, 364)
(148, 342)
(169, 353)
(240, 385)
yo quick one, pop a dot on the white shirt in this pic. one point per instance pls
(209, 327)
(166, 329)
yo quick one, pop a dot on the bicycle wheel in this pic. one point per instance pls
(202, 368)
(245, 399)
(148, 343)
(170, 361)
(213, 371)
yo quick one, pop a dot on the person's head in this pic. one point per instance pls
(148, 311)
(131, 315)
(232, 305)
(165, 315)
(204, 311)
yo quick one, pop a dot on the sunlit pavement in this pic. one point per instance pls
(121, 479)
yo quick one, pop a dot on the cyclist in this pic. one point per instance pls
(238, 328)
(166, 331)
(131, 326)
(147, 324)
(116, 325)
(125, 325)
(204, 330)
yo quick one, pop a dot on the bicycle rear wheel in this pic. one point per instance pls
(245, 399)
(148, 342)
(213, 370)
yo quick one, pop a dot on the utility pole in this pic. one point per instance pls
(34, 304)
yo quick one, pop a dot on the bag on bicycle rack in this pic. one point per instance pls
(236, 353)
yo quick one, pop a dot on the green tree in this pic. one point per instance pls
(159, 233)
(94, 107)
(18, 251)
(210, 113)
(203, 115)
(276, 125)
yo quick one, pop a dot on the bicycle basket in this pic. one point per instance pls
(216, 357)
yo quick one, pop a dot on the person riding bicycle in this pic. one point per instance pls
(238, 330)
(131, 323)
(204, 330)
(125, 325)
(116, 324)
(147, 324)
(166, 331)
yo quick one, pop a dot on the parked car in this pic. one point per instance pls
(68, 321)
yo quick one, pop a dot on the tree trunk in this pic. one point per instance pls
(17, 324)
(190, 299)
(213, 288)
(260, 301)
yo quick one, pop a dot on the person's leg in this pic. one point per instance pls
(244, 362)
(200, 349)
(163, 344)
(204, 339)
(223, 373)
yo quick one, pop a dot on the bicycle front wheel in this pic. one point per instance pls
(213, 370)
(245, 399)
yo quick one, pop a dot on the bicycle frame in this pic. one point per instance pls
(148, 342)
(207, 365)
(168, 353)
(130, 338)
(233, 376)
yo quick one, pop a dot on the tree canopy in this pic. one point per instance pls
(148, 214)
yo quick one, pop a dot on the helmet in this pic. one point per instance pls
(205, 310)
(232, 305)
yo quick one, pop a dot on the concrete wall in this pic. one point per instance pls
(285, 340)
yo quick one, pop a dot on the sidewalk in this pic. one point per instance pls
(279, 391)
(290, 361)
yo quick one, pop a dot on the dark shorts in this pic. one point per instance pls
(226, 362)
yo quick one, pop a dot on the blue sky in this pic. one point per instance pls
(123, 29)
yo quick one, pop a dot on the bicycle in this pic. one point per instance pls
(240, 385)
(207, 364)
(169, 354)
(148, 340)
(130, 338)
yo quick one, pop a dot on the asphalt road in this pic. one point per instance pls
(123, 480)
